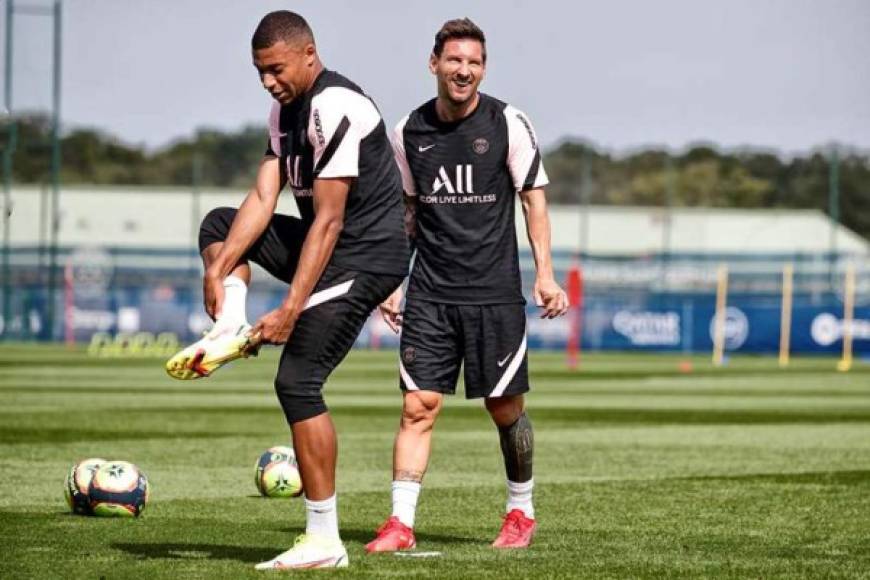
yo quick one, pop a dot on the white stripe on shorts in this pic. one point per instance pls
(328, 294)
(510, 371)
(409, 382)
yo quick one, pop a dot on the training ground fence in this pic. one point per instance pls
(147, 301)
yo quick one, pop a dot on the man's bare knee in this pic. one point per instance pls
(505, 410)
(210, 252)
(420, 409)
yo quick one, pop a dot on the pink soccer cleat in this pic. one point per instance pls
(393, 536)
(516, 531)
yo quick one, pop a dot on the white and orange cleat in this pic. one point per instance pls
(309, 551)
(392, 536)
(516, 531)
(222, 344)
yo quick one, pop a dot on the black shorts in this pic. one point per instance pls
(490, 340)
(335, 313)
(277, 250)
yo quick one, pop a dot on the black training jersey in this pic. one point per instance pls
(335, 130)
(465, 176)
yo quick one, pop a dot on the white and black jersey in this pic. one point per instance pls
(465, 176)
(335, 130)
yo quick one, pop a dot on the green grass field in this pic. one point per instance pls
(641, 471)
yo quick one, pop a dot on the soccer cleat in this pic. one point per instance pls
(393, 536)
(516, 531)
(309, 551)
(220, 345)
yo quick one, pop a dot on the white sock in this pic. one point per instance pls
(322, 517)
(520, 497)
(235, 297)
(405, 494)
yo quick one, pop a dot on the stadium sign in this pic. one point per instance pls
(648, 328)
(826, 329)
(736, 328)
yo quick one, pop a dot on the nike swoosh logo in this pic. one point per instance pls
(422, 149)
(501, 362)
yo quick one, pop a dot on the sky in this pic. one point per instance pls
(789, 75)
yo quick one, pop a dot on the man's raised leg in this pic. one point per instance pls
(235, 288)
(228, 339)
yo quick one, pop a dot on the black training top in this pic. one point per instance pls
(465, 176)
(335, 130)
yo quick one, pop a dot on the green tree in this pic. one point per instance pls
(702, 175)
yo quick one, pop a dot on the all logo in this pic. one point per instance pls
(295, 177)
(461, 182)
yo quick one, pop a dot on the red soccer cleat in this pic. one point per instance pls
(516, 531)
(393, 536)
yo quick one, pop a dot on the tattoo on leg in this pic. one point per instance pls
(409, 475)
(517, 446)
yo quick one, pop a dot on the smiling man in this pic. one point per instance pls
(345, 255)
(464, 157)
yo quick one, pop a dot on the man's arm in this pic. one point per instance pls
(249, 224)
(391, 308)
(547, 293)
(330, 197)
(411, 218)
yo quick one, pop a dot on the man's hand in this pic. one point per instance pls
(213, 294)
(275, 327)
(391, 310)
(550, 296)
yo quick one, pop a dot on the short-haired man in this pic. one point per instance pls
(464, 156)
(345, 255)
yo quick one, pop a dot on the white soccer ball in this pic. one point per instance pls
(78, 480)
(276, 473)
(118, 489)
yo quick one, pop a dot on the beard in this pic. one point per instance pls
(457, 99)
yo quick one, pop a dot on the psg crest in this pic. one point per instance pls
(480, 146)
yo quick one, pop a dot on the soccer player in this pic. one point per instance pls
(464, 156)
(346, 254)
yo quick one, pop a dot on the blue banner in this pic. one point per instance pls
(630, 321)
(687, 325)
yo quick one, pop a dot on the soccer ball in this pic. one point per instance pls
(75, 487)
(118, 488)
(276, 473)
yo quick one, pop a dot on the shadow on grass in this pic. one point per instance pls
(365, 536)
(19, 435)
(850, 477)
(173, 420)
(610, 373)
(582, 390)
(180, 551)
(252, 555)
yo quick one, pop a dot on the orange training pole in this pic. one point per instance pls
(575, 300)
